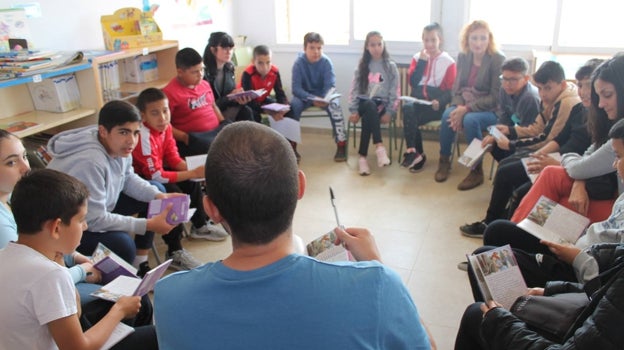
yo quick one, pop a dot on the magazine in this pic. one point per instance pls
(110, 264)
(178, 213)
(131, 286)
(324, 249)
(473, 154)
(526, 160)
(248, 93)
(498, 275)
(329, 96)
(550, 221)
(415, 100)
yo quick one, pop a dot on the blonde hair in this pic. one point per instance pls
(477, 24)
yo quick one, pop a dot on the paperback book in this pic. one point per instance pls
(526, 162)
(276, 107)
(551, 221)
(324, 249)
(329, 96)
(178, 213)
(415, 100)
(131, 286)
(473, 154)
(247, 93)
(498, 275)
(110, 264)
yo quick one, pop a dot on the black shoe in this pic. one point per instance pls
(143, 269)
(474, 230)
(419, 164)
(408, 159)
(341, 152)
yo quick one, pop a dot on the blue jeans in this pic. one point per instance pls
(473, 123)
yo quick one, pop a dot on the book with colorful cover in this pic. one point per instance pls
(473, 154)
(551, 221)
(131, 286)
(498, 275)
(179, 212)
(247, 93)
(110, 264)
(324, 249)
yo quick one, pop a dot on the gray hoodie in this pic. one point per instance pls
(79, 153)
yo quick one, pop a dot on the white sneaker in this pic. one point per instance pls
(363, 166)
(182, 260)
(210, 232)
(382, 157)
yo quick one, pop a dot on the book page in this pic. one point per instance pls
(193, 162)
(324, 249)
(120, 286)
(290, 128)
(553, 222)
(276, 107)
(499, 275)
(473, 153)
(121, 331)
(526, 160)
(415, 100)
(151, 277)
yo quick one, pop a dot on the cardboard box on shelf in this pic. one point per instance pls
(58, 94)
(129, 28)
(141, 69)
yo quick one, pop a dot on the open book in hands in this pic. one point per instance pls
(498, 275)
(247, 93)
(110, 264)
(276, 107)
(329, 96)
(473, 154)
(324, 249)
(526, 160)
(551, 221)
(131, 286)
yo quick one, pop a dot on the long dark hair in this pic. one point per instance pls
(210, 61)
(363, 69)
(611, 71)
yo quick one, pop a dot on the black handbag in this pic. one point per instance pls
(602, 187)
(551, 316)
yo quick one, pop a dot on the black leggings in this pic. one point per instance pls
(415, 115)
(371, 113)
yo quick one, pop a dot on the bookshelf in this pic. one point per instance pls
(17, 105)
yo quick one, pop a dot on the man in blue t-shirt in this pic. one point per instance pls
(264, 296)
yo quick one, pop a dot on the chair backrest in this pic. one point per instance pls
(405, 87)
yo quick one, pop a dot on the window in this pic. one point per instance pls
(557, 25)
(333, 19)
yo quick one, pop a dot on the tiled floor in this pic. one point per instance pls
(415, 221)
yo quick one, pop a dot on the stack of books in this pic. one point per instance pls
(18, 63)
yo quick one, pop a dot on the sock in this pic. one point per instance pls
(138, 260)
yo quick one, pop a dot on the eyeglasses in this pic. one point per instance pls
(511, 81)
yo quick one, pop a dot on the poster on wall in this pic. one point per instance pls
(182, 14)
(13, 25)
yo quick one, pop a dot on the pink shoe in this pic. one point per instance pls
(382, 157)
(363, 165)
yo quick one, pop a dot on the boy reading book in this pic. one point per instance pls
(262, 74)
(156, 159)
(313, 76)
(50, 211)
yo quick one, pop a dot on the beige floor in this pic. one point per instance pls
(415, 221)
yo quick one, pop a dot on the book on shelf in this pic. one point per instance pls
(131, 286)
(179, 212)
(415, 100)
(551, 221)
(247, 93)
(18, 126)
(498, 275)
(527, 160)
(329, 96)
(276, 107)
(110, 264)
(324, 249)
(473, 154)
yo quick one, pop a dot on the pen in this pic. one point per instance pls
(331, 194)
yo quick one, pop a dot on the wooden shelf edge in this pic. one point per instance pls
(47, 120)
(165, 44)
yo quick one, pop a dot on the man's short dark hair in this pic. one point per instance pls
(187, 58)
(516, 65)
(252, 178)
(312, 37)
(587, 69)
(115, 113)
(149, 95)
(549, 71)
(261, 50)
(44, 195)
